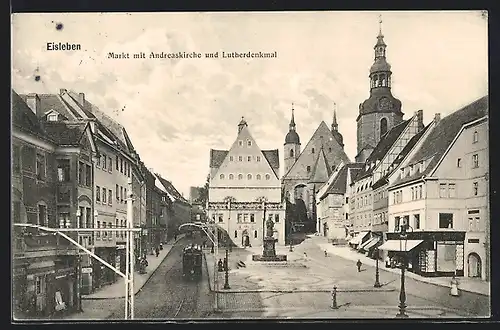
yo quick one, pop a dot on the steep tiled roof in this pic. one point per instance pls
(338, 185)
(383, 147)
(217, 157)
(24, 118)
(321, 171)
(443, 134)
(384, 179)
(272, 157)
(169, 187)
(66, 134)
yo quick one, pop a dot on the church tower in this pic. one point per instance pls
(381, 111)
(335, 128)
(292, 145)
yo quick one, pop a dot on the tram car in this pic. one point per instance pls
(192, 258)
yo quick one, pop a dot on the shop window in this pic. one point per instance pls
(446, 220)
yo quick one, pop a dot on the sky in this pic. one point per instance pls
(176, 110)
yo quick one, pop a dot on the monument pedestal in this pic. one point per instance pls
(269, 253)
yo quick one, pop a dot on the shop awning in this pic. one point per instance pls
(400, 245)
(371, 243)
(362, 245)
(357, 240)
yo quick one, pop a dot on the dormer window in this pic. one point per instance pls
(402, 173)
(475, 137)
(421, 167)
(53, 117)
(367, 167)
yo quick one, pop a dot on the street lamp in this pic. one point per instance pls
(402, 293)
(226, 280)
(79, 267)
(377, 282)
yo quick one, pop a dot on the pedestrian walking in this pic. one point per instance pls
(305, 255)
(358, 264)
(157, 251)
(175, 237)
(326, 254)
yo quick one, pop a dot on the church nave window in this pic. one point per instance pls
(312, 151)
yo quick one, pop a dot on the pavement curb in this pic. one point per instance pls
(150, 274)
(299, 291)
(391, 270)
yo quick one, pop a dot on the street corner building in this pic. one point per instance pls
(245, 191)
(73, 166)
(52, 187)
(307, 170)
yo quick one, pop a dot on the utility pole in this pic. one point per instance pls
(130, 242)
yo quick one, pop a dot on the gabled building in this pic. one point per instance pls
(245, 190)
(307, 170)
(441, 196)
(52, 180)
(376, 166)
(333, 204)
(112, 171)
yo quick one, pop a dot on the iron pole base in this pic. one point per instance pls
(377, 285)
(226, 286)
(402, 312)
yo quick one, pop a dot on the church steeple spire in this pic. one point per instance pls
(292, 121)
(335, 126)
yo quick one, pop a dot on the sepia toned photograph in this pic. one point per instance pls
(250, 165)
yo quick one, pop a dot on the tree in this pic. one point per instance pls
(203, 193)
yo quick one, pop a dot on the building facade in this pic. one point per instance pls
(245, 190)
(51, 187)
(441, 196)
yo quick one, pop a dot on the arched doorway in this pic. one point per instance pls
(474, 262)
(245, 239)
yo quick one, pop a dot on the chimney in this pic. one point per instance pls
(437, 117)
(81, 99)
(33, 102)
(62, 91)
(420, 120)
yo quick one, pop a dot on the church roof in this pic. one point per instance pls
(321, 170)
(443, 134)
(334, 154)
(380, 65)
(372, 104)
(383, 148)
(272, 157)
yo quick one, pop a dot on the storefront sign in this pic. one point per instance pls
(87, 270)
(460, 257)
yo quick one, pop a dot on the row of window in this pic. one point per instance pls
(445, 221)
(447, 190)
(249, 143)
(105, 162)
(246, 217)
(240, 177)
(417, 192)
(475, 161)
(106, 234)
(379, 195)
(359, 202)
(247, 158)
